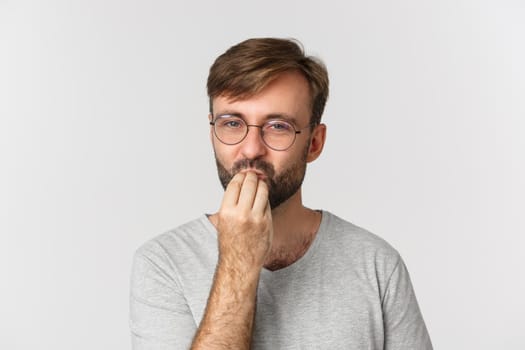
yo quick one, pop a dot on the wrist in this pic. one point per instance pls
(242, 275)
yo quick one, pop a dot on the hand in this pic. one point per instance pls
(245, 223)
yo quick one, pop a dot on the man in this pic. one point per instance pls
(265, 272)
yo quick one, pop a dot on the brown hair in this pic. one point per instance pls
(246, 68)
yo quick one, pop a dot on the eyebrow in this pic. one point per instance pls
(281, 116)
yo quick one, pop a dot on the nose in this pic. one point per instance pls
(253, 146)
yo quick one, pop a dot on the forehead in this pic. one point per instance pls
(288, 94)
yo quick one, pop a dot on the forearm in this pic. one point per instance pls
(245, 232)
(228, 320)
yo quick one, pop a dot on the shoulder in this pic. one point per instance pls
(357, 243)
(178, 241)
(344, 231)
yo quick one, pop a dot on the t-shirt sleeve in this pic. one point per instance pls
(403, 323)
(160, 317)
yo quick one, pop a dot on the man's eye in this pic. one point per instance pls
(278, 126)
(231, 124)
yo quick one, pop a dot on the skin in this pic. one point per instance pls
(251, 235)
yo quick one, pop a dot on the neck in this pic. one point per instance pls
(294, 227)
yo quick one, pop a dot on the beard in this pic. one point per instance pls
(281, 186)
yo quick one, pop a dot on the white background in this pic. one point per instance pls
(104, 144)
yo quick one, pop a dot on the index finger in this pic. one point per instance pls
(231, 194)
(248, 190)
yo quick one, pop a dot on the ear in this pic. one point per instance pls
(316, 143)
(210, 119)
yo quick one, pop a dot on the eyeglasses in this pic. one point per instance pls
(277, 134)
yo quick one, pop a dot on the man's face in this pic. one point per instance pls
(286, 98)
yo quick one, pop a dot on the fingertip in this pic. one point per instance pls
(237, 179)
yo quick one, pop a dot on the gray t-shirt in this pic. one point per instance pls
(351, 290)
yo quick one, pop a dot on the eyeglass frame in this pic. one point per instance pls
(261, 132)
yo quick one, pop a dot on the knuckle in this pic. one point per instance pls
(243, 220)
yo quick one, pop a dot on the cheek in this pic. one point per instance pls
(282, 164)
(298, 154)
(225, 155)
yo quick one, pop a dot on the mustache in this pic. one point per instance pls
(257, 164)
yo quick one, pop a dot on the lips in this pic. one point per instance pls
(262, 169)
(260, 174)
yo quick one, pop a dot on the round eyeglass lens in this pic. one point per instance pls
(278, 134)
(230, 130)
